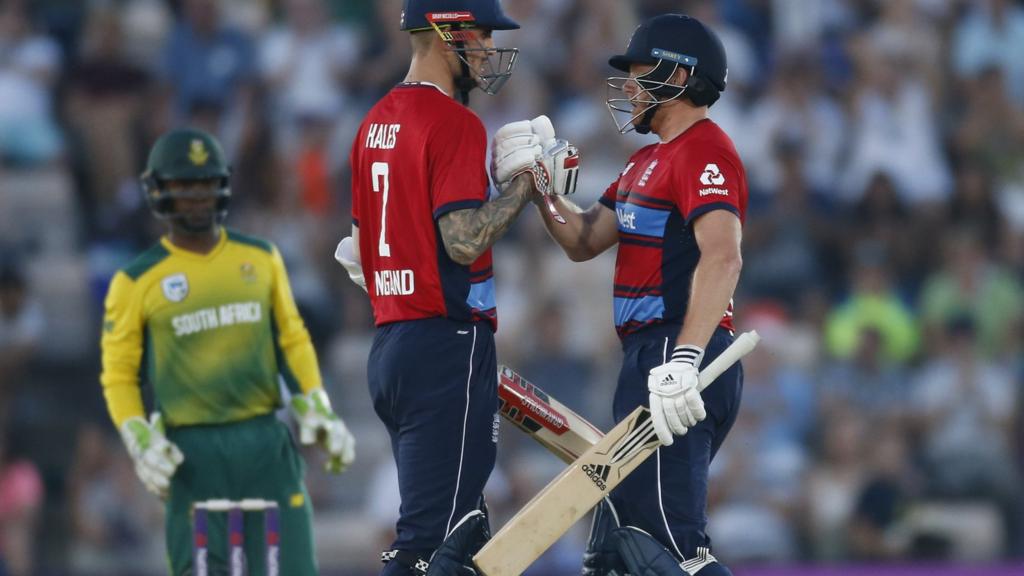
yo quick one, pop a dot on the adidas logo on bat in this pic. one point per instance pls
(598, 474)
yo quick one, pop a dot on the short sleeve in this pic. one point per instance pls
(457, 156)
(610, 194)
(711, 179)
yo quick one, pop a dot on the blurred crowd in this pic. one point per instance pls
(884, 258)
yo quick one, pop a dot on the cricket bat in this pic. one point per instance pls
(562, 431)
(591, 477)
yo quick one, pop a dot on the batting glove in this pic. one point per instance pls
(347, 258)
(514, 150)
(675, 400)
(556, 168)
(156, 458)
(318, 424)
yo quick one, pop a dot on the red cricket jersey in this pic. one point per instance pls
(663, 188)
(418, 155)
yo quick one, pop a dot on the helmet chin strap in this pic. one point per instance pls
(463, 83)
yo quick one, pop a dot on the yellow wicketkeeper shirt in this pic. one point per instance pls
(210, 332)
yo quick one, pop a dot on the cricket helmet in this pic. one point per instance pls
(486, 13)
(452, 20)
(668, 42)
(185, 155)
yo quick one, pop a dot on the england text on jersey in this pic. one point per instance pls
(401, 187)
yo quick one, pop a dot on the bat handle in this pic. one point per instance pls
(740, 347)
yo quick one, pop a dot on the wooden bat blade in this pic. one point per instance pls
(562, 431)
(568, 497)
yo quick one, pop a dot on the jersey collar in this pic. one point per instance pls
(166, 243)
(425, 83)
(684, 132)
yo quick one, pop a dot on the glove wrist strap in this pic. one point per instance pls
(688, 354)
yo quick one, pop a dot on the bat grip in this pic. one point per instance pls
(739, 348)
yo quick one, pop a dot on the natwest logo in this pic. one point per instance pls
(712, 175)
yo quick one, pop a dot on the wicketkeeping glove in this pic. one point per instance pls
(676, 404)
(347, 258)
(156, 458)
(319, 424)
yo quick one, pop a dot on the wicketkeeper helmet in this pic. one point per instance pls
(185, 154)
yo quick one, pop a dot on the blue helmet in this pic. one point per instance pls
(668, 42)
(453, 20)
(485, 13)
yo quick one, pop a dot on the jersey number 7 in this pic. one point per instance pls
(380, 172)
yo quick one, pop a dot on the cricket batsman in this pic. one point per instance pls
(423, 227)
(676, 213)
(206, 316)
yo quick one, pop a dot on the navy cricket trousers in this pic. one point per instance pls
(667, 495)
(433, 383)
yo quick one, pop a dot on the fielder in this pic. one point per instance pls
(207, 315)
(421, 246)
(676, 212)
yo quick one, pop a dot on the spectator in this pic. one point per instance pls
(974, 205)
(992, 33)
(21, 330)
(891, 127)
(834, 483)
(882, 505)
(781, 241)
(870, 384)
(965, 410)
(207, 64)
(387, 57)
(308, 64)
(29, 70)
(21, 503)
(971, 284)
(795, 113)
(106, 106)
(873, 304)
(884, 217)
(991, 131)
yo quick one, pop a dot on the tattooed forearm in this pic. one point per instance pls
(468, 233)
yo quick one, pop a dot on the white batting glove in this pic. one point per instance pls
(347, 258)
(557, 167)
(556, 170)
(514, 150)
(543, 129)
(156, 458)
(676, 405)
(319, 424)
